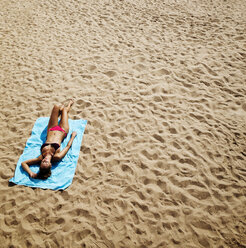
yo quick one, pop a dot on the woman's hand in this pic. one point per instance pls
(33, 175)
(74, 134)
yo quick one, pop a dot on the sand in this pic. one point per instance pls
(163, 87)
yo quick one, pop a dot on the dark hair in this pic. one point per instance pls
(44, 173)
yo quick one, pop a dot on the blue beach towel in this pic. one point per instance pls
(62, 171)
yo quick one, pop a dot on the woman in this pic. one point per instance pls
(50, 150)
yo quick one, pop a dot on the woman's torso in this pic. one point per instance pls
(54, 138)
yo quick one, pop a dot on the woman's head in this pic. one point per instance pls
(44, 173)
(45, 169)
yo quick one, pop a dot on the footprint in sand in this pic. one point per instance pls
(161, 72)
(110, 73)
(244, 106)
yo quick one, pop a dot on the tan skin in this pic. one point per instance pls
(48, 153)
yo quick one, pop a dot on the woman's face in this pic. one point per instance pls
(45, 164)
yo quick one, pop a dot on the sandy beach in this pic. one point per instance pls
(162, 85)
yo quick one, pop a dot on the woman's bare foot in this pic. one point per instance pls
(70, 104)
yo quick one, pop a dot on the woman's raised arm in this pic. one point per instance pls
(60, 155)
(25, 165)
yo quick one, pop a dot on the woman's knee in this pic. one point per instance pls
(56, 107)
(66, 109)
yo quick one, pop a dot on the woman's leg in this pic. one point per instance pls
(64, 116)
(54, 117)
